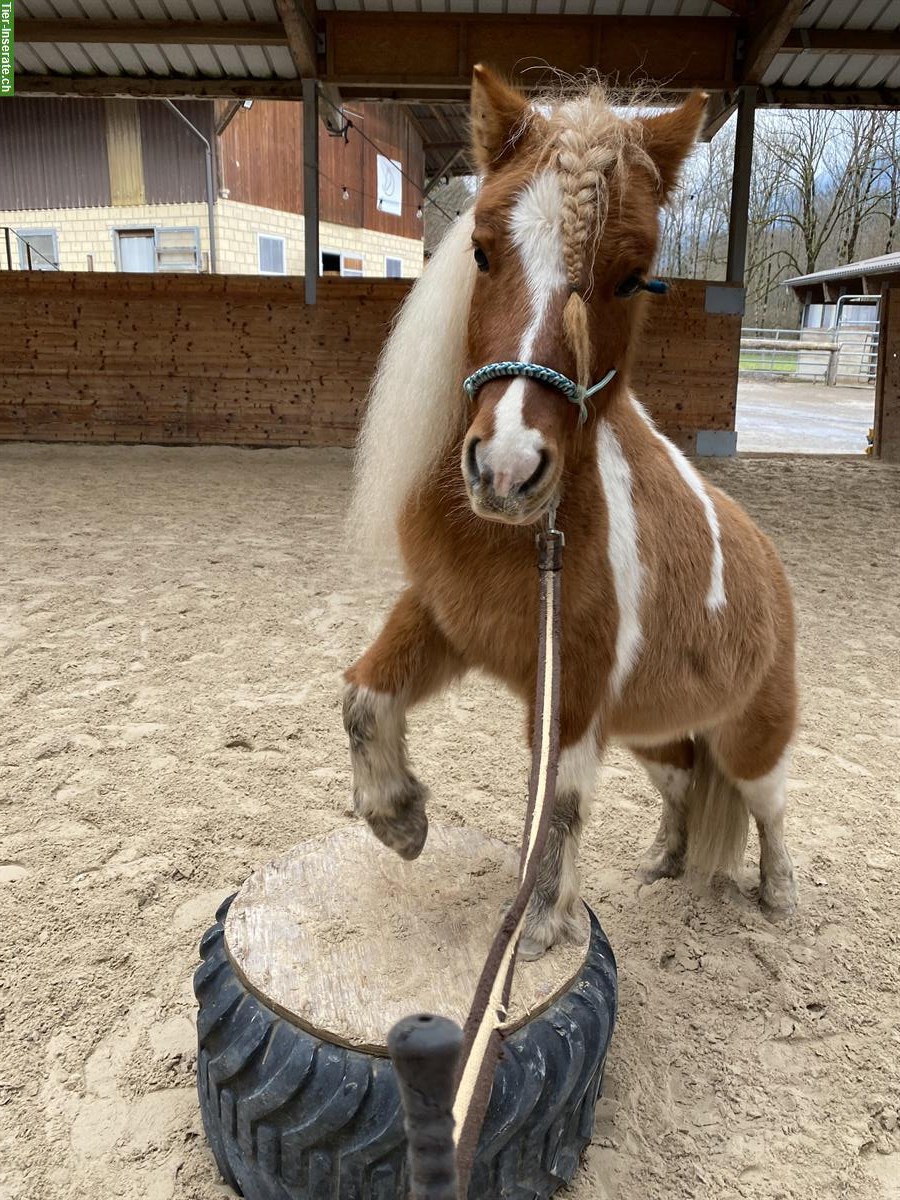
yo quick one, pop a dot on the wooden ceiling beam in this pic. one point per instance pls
(397, 52)
(842, 41)
(765, 33)
(299, 20)
(783, 97)
(740, 8)
(721, 107)
(172, 87)
(152, 33)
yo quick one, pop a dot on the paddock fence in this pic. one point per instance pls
(847, 355)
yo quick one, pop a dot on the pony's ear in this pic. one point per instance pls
(498, 113)
(668, 138)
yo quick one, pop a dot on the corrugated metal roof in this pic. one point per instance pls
(803, 68)
(884, 264)
(555, 8)
(836, 68)
(121, 59)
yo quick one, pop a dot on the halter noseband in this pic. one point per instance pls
(505, 370)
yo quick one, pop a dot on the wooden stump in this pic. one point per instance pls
(343, 938)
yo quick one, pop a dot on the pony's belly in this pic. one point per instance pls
(656, 722)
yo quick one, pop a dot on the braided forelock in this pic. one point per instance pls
(592, 146)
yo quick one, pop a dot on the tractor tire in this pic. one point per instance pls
(290, 1116)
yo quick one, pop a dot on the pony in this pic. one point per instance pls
(677, 623)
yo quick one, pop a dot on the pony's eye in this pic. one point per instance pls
(630, 285)
(481, 259)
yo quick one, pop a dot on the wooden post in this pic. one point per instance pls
(740, 186)
(887, 383)
(831, 373)
(311, 187)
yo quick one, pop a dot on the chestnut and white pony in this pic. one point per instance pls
(677, 623)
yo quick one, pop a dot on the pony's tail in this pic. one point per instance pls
(717, 819)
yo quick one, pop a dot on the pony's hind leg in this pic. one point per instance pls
(669, 767)
(765, 797)
(408, 660)
(552, 910)
(754, 751)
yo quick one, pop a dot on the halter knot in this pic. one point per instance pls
(505, 370)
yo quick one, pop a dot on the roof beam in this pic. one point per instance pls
(720, 110)
(766, 32)
(432, 54)
(299, 20)
(152, 33)
(842, 41)
(174, 88)
(780, 97)
(740, 8)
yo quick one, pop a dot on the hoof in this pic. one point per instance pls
(531, 949)
(406, 830)
(778, 899)
(660, 864)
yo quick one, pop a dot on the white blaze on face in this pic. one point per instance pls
(513, 453)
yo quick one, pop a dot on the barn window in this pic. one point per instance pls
(351, 264)
(44, 255)
(146, 250)
(177, 250)
(271, 255)
(393, 268)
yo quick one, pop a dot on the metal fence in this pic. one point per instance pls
(22, 255)
(847, 355)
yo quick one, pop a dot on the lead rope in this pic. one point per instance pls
(423, 1049)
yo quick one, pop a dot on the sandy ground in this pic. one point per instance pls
(802, 418)
(172, 628)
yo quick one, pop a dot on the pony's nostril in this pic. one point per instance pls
(472, 466)
(536, 475)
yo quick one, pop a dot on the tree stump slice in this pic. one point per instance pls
(343, 938)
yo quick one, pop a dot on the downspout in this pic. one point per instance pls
(210, 188)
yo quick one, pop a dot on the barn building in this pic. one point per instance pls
(204, 185)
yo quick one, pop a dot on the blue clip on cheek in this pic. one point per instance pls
(658, 287)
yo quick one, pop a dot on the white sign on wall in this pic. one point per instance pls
(390, 186)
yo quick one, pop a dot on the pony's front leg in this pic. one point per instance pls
(409, 659)
(552, 912)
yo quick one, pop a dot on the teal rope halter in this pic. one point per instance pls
(571, 390)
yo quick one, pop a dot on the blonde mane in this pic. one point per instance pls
(416, 404)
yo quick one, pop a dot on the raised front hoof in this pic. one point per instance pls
(659, 864)
(778, 899)
(405, 831)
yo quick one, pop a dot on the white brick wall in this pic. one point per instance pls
(84, 232)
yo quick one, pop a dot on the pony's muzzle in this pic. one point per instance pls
(510, 486)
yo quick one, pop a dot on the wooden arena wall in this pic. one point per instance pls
(887, 386)
(240, 360)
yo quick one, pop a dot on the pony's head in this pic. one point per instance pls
(565, 233)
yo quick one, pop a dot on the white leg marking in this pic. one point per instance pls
(765, 797)
(624, 556)
(514, 451)
(671, 782)
(578, 766)
(715, 596)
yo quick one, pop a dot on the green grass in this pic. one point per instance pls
(784, 364)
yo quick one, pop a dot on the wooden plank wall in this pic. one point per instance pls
(254, 175)
(887, 384)
(240, 360)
